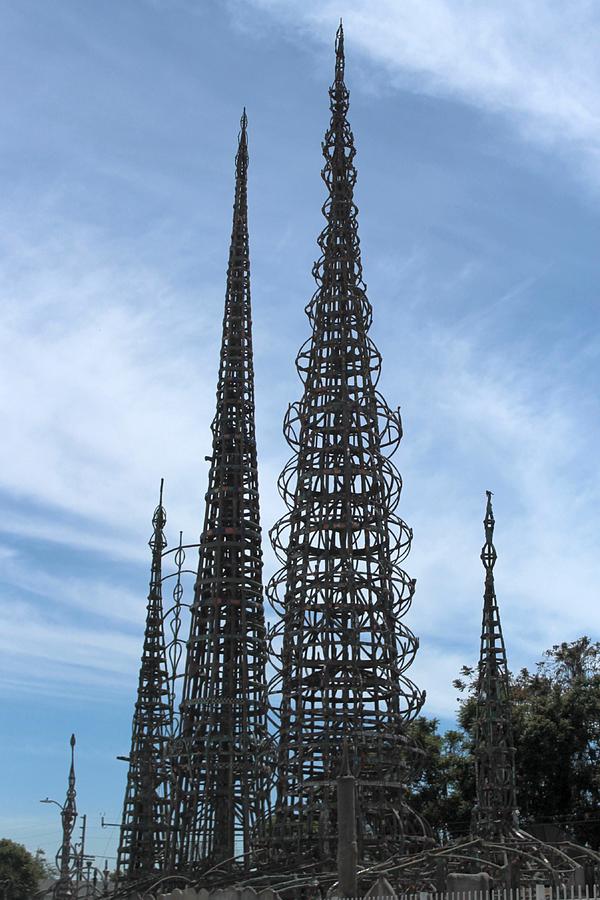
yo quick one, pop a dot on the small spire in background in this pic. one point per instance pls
(144, 825)
(63, 888)
(339, 53)
(495, 809)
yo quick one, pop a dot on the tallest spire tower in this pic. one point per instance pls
(340, 592)
(221, 789)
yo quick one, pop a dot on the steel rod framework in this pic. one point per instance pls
(494, 814)
(223, 775)
(342, 646)
(65, 858)
(146, 811)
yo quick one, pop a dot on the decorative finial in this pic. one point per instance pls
(72, 770)
(488, 551)
(241, 159)
(159, 520)
(339, 53)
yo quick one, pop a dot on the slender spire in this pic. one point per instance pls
(339, 267)
(341, 593)
(222, 787)
(495, 809)
(340, 59)
(145, 822)
(64, 859)
(71, 792)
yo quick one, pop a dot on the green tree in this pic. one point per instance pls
(43, 867)
(19, 871)
(443, 784)
(556, 722)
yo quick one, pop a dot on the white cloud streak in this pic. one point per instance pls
(103, 389)
(479, 417)
(99, 394)
(536, 62)
(107, 401)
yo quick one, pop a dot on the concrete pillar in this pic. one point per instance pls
(347, 851)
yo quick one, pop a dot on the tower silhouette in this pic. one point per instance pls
(342, 646)
(495, 810)
(65, 858)
(222, 785)
(145, 822)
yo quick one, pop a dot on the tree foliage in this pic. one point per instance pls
(444, 781)
(556, 722)
(20, 871)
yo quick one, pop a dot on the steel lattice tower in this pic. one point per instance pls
(145, 822)
(341, 593)
(495, 811)
(222, 787)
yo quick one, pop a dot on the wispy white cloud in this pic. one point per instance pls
(100, 393)
(62, 593)
(481, 415)
(75, 656)
(535, 62)
(107, 399)
(107, 376)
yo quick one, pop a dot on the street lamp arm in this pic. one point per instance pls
(56, 803)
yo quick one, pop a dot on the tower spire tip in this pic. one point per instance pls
(340, 60)
(488, 552)
(241, 159)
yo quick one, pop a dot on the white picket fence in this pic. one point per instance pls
(379, 892)
(527, 892)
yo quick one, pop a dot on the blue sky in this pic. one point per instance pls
(478, 137)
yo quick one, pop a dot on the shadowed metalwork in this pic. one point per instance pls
(145, 823)
(495, 811)
(342, 646)
(222, 766)
(65, 858)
